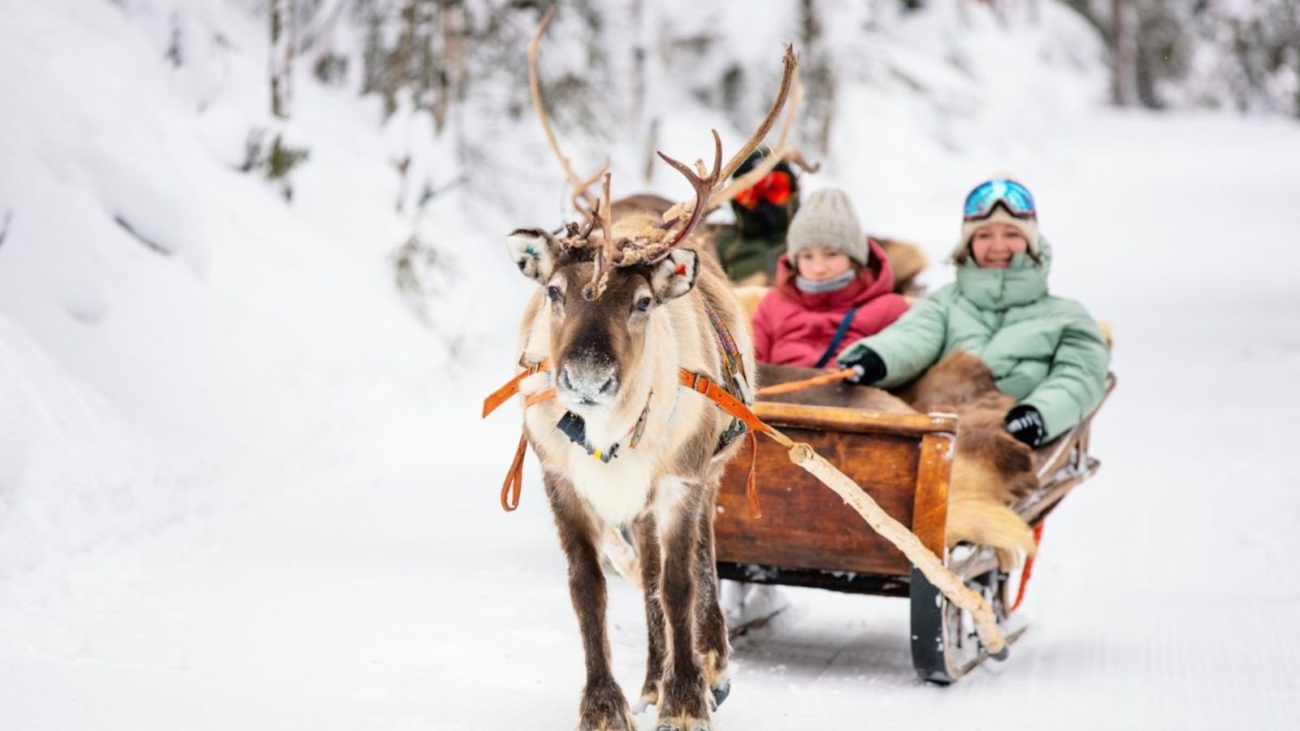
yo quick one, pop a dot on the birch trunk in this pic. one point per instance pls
(282, 52)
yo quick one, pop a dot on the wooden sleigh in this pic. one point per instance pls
(807, 536)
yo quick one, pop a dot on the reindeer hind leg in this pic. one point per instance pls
(683, 705)
(710, 623)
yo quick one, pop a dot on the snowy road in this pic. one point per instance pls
(373, 583)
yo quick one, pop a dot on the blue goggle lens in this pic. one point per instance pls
(1011, 194)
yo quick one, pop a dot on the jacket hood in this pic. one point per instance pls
(868, 285)
(1023, 282)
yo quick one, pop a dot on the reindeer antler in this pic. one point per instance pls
(655, 241)
(703, 182)
(588, 202)
(608, 253)
(780, 154)
(787, 78)
(714, 198)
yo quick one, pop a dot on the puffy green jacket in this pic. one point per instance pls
(1042, 350)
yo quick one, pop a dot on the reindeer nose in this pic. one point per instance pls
(588, 381)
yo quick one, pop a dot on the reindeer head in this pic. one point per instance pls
(597, 341)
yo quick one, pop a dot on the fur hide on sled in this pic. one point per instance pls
(991, 470)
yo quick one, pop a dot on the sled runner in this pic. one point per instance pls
(807, 536)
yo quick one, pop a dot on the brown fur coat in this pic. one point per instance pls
(991, 470)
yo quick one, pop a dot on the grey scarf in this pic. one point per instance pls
(834, 284)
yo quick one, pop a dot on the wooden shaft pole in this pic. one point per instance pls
(898, 534)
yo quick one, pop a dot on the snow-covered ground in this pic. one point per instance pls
(241, 488)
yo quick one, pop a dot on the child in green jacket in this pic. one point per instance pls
(1047, 352)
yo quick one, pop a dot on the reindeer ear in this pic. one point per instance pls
(675, 274)
(534, 252)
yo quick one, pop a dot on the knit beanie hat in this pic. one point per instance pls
(1028, 226)
(826, 218)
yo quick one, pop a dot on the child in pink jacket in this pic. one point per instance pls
(833, 286)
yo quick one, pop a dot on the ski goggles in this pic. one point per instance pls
(1012, 195)
(775, 188)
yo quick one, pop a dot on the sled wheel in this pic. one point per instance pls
(945, 645)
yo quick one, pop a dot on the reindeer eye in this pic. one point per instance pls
(643, 304)
(553, 293)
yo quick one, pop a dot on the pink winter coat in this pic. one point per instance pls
(793, 327)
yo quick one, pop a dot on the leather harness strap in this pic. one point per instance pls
(696, 382)
(503, 394)
(533, 399)
(710, 389)
(514, 478)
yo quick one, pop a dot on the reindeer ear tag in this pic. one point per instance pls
(534, 252)
(674, 275)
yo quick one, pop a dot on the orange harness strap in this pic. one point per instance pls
(709, 389)
(504, 394)
(514, 482)
(514, 478)
(700, 384)
(536, 398)
(751, 484)
(1029, 569)
(806, 383)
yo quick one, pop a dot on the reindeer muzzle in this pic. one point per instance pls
(586, 383)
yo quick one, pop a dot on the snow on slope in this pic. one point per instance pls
(228, 327)
(241, 488)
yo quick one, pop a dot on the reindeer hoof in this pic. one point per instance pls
(685, 724)
(719, 692)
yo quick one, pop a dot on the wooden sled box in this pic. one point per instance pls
(808, 537)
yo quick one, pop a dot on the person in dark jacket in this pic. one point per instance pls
(750, 248)
(834, 287)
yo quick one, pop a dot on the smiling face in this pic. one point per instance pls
(820, 263)
(994, 244)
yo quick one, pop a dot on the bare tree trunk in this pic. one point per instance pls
(424, 70)
(282, 52)
(372, 58)
(1118, 55)
(450, 74)
(638, 62)
(819, 76)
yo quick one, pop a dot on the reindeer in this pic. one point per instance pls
(626, 314)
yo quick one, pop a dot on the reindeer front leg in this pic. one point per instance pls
(603, 707)
(646, 535)
(683, 705)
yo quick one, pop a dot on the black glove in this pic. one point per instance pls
(1025, 424)
(870, 367)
